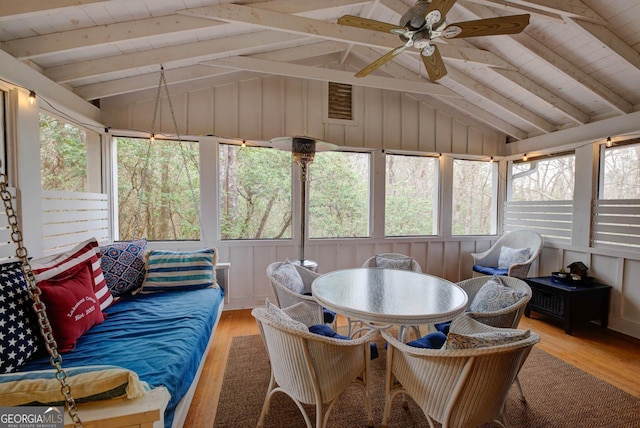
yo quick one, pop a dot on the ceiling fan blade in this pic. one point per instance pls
(382, 60)
(444, 6)
(434, 64)
(487, 27)
(368, 24)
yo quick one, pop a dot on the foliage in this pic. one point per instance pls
(255, 193)
(473, 198)
(411, 184)
(622, 173)
(63, 155)
(339, 195)
(158, 189)
(544, 180)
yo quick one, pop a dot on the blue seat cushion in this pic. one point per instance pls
(433, 340)
(325, 330)
(443, 327)
(328, 315)
(490, 270)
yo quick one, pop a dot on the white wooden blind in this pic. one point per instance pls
(551, 219)
(616, 223)
(73, 217)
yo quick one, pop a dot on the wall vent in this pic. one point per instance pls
(340, 101)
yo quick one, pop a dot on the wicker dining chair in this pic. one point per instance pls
(285, 297)
(457, 387)
(310, 368)
(487, 262)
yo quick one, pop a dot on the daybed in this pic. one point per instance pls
(159, 336)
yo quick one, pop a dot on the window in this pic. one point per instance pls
(411, 193)
(621, 173)
(63, 154)
(339, 195)
(474, 199)
(544, 180)
(255, 193)
(158, 189)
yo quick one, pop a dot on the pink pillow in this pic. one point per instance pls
(50, 267)
(72, 305)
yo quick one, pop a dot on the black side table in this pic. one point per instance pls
(568, 302)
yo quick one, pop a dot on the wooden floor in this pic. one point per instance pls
(605, 354)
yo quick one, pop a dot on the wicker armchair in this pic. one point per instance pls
(286, 297)
(515, 239)
(313, 369)
(456, 387)
(508, 317)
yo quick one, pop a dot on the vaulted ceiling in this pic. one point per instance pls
(577, 62)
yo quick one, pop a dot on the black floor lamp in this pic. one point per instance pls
(303, 151)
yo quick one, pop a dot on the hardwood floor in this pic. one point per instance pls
(608, 355)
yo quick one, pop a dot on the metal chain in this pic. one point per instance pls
(38, 304)
(194, 200)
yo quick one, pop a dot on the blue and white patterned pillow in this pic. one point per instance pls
(123, 266)
(180, 270)
(287, 275)
(494, 296)
(483, 340)
(20, 338)
(277, 315)
(385, 262)
(511, 256)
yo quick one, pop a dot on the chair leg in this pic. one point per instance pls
(519, 388)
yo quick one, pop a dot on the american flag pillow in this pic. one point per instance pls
(19, 336)
(59, 265)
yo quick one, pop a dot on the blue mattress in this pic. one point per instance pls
(160, 336)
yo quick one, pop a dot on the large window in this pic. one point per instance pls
(255, 193)
(474, 198)
(411, 194)
(621, 173)
(339, 195)
(63, 155)
(158, 189)
(543, 180)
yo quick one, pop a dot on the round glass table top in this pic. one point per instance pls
(389, 295)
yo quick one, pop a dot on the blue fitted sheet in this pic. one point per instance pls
(160, 336)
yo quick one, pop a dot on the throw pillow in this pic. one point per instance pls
(287, 275)
(277, 315)
(483, 340)
(123, 266)
(88, 383)
(512, 256)
(180, 270)
(494, 296)
(387, 262)
(19, 333)
(60, 264)
(72, 305)
(433, 340)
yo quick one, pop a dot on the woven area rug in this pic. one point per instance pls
(558, 395)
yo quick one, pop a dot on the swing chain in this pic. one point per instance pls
(38, 305)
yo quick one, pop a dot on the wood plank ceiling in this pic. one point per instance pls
(577, 62)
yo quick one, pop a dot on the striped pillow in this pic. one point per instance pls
(180, 270)
(59, 265)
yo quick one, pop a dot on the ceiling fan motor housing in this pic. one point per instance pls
(414, 17)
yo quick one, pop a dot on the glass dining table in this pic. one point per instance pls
(385, 297)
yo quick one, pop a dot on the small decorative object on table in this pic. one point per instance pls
(577, 275)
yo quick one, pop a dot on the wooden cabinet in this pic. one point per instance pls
(569, 303)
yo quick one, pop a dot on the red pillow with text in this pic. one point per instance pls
(72, 305)
(53, 266)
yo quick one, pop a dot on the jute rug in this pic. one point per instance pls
(558, 395)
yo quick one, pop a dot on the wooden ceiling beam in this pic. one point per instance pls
(612, 42)
(21, 8)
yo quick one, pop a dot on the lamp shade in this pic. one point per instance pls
(301, 144)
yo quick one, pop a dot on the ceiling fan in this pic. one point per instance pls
(423, 23)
